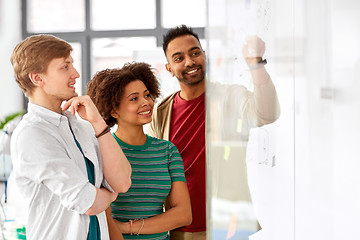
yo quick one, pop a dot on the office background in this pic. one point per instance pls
(303, 170)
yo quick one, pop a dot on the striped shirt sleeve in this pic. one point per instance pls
(176, 166)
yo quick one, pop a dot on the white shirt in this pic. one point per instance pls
(51, 174)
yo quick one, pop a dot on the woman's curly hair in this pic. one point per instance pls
(106, 88)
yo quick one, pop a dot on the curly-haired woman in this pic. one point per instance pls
(125, 97)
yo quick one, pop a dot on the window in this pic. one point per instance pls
(109, 33)
(187, 12)
(55, 16)
(123, 14)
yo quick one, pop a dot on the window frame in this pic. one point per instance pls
(85, 37)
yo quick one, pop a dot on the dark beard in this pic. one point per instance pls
(191, 83)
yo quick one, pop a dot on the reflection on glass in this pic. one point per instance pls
(55, 16)
(243, 174)
(115, 52)
(122, 14)
(188, 12)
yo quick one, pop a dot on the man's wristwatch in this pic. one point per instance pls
(255, 62)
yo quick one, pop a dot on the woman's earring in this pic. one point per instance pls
(114, 115)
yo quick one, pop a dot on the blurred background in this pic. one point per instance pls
(297, 178)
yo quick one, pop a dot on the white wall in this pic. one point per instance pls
(345, 60)
(11, 97)
(327, 166)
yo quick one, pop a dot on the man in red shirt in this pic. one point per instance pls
(180, 117)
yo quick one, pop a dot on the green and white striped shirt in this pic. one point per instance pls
(155, 165)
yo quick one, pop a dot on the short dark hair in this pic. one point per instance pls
(106, 88)
(175, 32)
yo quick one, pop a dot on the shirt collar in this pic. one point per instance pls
(49, 115)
